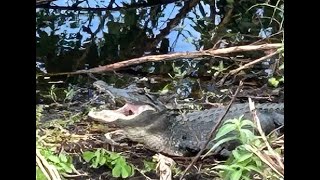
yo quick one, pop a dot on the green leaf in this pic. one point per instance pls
(225, 129)
(149, 166)
(63, 158)
(244, 157)
(258, 162)
(236, 153)
(236, 175)
(126, 171)
(116, 171)
(232, 121)
(247, 123)
(224, 167)
(87, 155)
(274, 82)
(103, 161)
(247, 135)
(220, 142)
(66, 167)
(253, 168)
(114, 156)
(54, 159)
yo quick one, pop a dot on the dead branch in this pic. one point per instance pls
(174, 56)
(252, 63)
(212, 132)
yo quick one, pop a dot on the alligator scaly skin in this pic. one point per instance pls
(177, 135)
(190, 132)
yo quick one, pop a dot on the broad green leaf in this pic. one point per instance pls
(224, 167)
(233, 121)
(114, 156)
(65, 167)
(220, 142)
(247, 135)
(247, 123)
(54, 159)
(236, 175)
(116, 171)
(102, 161)
(253, 168)
(87, 155)
(236, 166)
(244, 157)
(63, 158)
(258, 161)
(149, 166)
(126, 171)
(236, 154)
(97, 159)
(121, 161)
(225, 129)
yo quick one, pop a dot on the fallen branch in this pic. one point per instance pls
(212, 132)
(174, 56)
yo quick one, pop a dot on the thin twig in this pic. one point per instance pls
(252, 63)
(212, 132)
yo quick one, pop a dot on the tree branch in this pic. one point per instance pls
(109, 8)
(166, 57)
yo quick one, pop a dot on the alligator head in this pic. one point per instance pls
(123, 115)
(131, 95)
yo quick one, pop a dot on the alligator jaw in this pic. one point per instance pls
(127, 112)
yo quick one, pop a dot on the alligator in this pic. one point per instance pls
(177, 134)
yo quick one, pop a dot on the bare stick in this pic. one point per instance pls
(252, 63)
(246, 66)
(212, 132)
(174, 56)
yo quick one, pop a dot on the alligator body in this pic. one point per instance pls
(179, 134)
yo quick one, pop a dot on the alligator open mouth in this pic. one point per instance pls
(127, 112)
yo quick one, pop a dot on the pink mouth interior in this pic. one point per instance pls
(127, 112)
